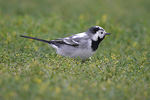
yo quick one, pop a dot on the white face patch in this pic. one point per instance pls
(95, 36)
(100, 33)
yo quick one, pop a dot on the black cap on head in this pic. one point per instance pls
(94, 29)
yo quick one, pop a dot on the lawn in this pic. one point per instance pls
(31, 70)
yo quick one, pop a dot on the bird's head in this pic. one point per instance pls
(97, 32)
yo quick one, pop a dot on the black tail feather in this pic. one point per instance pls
(35, 39)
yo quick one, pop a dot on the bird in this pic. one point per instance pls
(82, 45)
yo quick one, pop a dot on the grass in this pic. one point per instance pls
(119, 70)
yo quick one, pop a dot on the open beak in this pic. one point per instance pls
(107, 33)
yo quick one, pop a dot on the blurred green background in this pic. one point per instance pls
(120, 69)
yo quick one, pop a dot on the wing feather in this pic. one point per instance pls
(66, 41)
(74, 40)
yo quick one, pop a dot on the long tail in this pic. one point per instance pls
(35, 39)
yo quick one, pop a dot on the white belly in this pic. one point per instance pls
(76, 53)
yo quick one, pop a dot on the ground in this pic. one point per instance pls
(30, 70)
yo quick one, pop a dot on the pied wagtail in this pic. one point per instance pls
(81, 45)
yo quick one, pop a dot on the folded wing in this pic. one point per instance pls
(74, 40)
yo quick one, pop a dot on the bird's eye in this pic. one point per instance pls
(101, 32)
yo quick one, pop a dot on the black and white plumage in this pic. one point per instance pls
(81, 45)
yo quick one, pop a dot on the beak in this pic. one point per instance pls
(107, 33)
